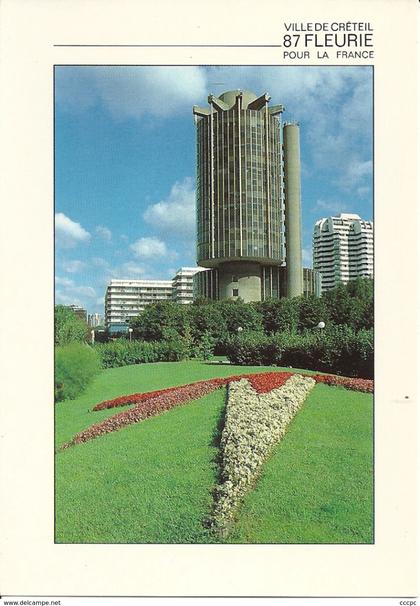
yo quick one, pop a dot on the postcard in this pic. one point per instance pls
(211, 263)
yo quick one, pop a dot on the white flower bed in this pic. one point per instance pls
(254, 424)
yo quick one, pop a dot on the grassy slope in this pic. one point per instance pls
(317, 487)
(151, 482)
(74, 415)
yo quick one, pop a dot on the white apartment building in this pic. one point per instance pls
(182, 284)
(125, 299)
(95, 320)
(342, 249)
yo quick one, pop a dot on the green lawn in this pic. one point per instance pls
(149, 483)
(152, 482)
(73, 416)
(318, 485)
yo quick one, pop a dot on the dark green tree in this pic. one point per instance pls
(239, 314)
(155, 319)
(206, 317)
(311, 310)
(351, 303)
(362, 290)
(279, 315)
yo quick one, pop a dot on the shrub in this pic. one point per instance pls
(176, 347)
(253, 349)
(123, 352)
(68, 328)
(339, 349)
(75, 366)
(204, 348)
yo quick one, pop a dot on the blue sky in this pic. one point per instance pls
(125, 162)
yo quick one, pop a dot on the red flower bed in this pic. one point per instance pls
(267, 381)
(154, 402)
(365, 385)
(134, 398)
(262, 383)
(148, 408)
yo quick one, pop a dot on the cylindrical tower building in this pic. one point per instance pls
(240, 195)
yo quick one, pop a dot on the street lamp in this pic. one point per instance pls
(239, 330)
(92, 336)
(321, 325)
(130, 332)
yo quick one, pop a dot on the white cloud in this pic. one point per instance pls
(84, 291)
(73, 267)
(332, 104)
(66, 282)
(99, 262)
(131, 92)
(358, 169)
(68, 233)
(131, 269)
(104, 232)
(331, 207)
(176, 214)
(149, 247)
(63, 298)
(74, 295)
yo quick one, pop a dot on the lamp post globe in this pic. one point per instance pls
(321, 325)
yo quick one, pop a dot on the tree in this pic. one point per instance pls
(239, 314)
(207, 317)
(155, 319)
(68, 328)
(312, 310)
(362, 290)
(279, 315)
(351, 303)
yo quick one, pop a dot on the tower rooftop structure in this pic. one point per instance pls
(248, 195)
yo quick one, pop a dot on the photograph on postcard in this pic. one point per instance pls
(214, 308)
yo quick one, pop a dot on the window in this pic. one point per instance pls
(235, 292)
(234, 278)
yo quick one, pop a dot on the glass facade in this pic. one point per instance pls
(240, 206)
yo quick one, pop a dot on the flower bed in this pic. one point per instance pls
(137, 398)
(154, 402)
(254, 424)
(152, 406)
(261, 382)
(365, 385)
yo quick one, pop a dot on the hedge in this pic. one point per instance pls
(123, 352)
(340, 350)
